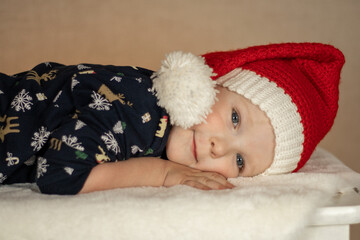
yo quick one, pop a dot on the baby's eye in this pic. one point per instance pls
(239, 161)
(235, 119)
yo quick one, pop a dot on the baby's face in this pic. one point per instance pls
(237, 139)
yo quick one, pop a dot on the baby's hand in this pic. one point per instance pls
(180, 174)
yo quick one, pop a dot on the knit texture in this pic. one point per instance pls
(295, 84)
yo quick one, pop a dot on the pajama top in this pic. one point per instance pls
(57, 122)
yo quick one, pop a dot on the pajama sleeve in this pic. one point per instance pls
(72, 151)
(116, 117)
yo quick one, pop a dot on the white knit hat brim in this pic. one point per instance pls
(281, 111)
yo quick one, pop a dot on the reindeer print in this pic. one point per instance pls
(32, 75)
(101, 157)
(57, 122)
(111, 97)
(55, 144)
(9, 127)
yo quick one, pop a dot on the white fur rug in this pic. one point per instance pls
(271, 207)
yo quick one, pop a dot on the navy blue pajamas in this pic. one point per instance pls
(57, 122)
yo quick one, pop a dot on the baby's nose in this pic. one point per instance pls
(219, 147)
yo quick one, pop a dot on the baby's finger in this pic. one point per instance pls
(196, 184)
(218, 178)
(212, 183)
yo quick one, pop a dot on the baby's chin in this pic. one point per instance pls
(189, 162)
(179, 146)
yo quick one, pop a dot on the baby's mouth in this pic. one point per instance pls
(194, 148)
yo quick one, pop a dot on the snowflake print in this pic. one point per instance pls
(135, 149)
(39, 138)
(41, 167)
(110, 142)
(12, 160)
(119, 127)
(99, 103)
(22, 101)
(47, 64)
(72, 142)
(79, 124)
(2, 177)
(118, 79)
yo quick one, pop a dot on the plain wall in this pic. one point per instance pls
(141, 32)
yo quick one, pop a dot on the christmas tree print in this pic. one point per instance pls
(79, 124)
(74, 82)
(30, 161)
(149, 151)
(116, 78)
(69, 170)
(119, 127)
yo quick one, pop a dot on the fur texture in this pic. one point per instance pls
(263, 207)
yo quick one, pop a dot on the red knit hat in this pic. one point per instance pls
(295, 84)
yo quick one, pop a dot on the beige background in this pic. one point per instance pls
(140, 32)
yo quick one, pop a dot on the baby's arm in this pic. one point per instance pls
(149, 171)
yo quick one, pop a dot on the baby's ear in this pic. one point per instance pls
(184, 88)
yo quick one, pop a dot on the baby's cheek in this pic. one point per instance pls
(177, 153)
(232, 172)
(228, 167)
(223, 166)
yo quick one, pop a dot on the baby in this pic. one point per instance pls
(84, 128)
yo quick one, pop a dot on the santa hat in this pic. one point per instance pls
(295, 84)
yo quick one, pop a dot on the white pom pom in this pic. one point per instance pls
(184, 88)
